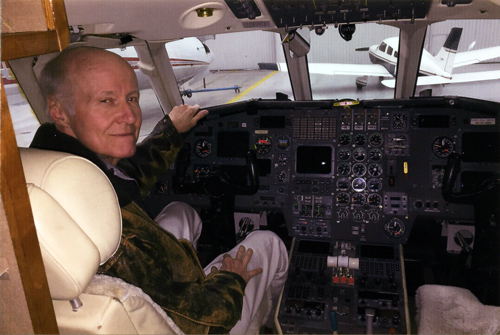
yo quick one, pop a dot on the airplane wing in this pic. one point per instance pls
(475, 56)
(375, 70)
(457, 78)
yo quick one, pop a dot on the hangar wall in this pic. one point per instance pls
(237, 51)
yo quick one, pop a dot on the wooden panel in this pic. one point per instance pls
(22, 35)
(22, 229)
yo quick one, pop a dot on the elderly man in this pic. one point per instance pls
(92, 95)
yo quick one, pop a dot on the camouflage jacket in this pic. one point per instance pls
(148, 257)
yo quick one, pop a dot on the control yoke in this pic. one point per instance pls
(451, 172)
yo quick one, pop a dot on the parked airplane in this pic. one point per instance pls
(190, 59)
(434, 70)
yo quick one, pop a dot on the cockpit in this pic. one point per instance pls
(364, 133)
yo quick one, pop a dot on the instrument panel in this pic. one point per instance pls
(351, 170)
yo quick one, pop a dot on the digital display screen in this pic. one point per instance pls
(377, 251)
(232, 144)
(433, 121)
(270, 122)
(264, 167)
(314, 159)
(314, 247)
(481, 147)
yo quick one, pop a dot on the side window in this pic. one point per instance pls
(389, 50)
(396, 54)
(382, 46)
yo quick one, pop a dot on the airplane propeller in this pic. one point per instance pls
(363, 49)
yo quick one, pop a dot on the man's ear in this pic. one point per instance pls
(58, 113)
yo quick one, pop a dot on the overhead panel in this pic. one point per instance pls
(295, 13)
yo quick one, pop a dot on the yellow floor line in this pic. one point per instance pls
(245, 92)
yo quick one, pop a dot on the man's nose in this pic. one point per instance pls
(128, 113)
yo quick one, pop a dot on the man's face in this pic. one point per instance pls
(107, 117)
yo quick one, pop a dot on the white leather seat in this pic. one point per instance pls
(78, 222)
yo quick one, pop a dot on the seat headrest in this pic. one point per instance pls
(77, 217)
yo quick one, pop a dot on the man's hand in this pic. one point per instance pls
(239, 264)
(184, 117)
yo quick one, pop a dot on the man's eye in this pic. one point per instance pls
(106, 100)
(133, 99)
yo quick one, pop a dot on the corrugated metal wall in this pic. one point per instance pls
(246, 50)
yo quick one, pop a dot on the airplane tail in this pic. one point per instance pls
(446, 56)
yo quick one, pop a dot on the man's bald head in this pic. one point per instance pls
(60, 76)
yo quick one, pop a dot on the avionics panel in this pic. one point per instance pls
(362, 171)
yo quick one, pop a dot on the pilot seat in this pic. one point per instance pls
(78, 223)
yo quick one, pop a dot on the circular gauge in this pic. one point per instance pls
(375, 154)
(359, 169)
(344, 154)
(443, 147)
(343, 213)
(373, 215)
(283, 142)
(358, 199)
(282, 176)
(343, 184)
(374, 185)
(360, 139)
(345, 139)
(263, 145)
(357, 216)
(376, 139)
(203, 148)
(375, 169)
(395, 227)
(374, 200)
(344, 169)
(343, 199)
(358, 184)
(359, 154)
(282, 159)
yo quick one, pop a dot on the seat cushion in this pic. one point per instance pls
(454, 310)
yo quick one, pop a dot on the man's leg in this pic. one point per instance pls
(270, 254)
(181, 220)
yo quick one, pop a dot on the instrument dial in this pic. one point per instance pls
(344, 169)
(343, 184)
(344, 154)
(395, 227)
(360, 139)
(375, 154)
(359, 169)
(374, 185)
(283, 176)
(282, 159)
(375, 169)
(358, 184)
(374, 200)
(283, 142)
(345, 139)
(376, 139)
(203, 148)
(358, 199)
(359, 154)
(343, 199)
(263, 145)
(443, 146)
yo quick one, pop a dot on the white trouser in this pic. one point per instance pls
(269, 253)
(181, 220)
